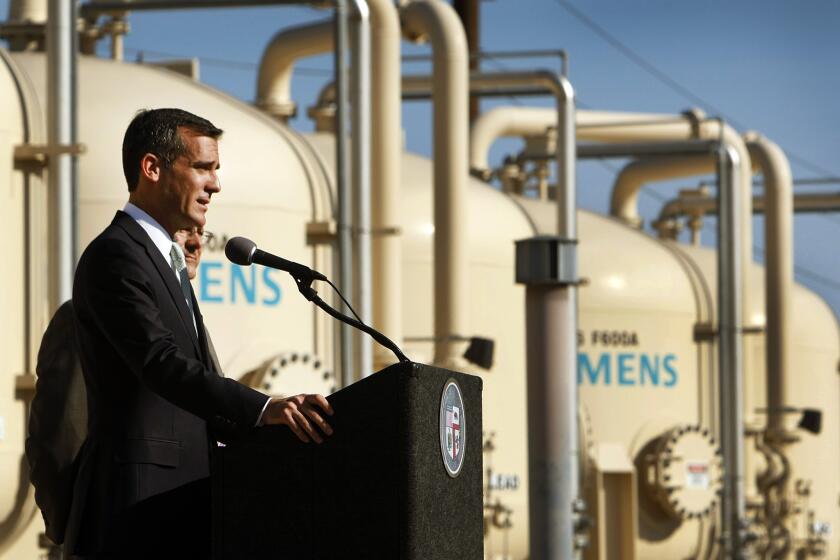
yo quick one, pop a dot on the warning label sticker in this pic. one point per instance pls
(697, 475)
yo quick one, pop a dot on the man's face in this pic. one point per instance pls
(190, 240)
(191, 180)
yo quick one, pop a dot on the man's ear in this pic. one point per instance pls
(150, 167)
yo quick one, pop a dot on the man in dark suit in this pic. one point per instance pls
(156, 406)
(58, 414)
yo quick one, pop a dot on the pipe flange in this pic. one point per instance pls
(684, 473)
(291, 373)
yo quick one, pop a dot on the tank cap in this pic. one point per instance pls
(684, 473)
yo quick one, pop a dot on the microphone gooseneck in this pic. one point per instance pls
(244, 252)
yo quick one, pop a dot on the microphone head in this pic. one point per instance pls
(240, 250)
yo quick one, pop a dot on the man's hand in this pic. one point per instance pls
(299, 413)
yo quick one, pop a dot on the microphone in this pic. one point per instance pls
(243, 251)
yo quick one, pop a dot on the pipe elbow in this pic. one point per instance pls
(506, 121)
(436, 22)
(274, 77)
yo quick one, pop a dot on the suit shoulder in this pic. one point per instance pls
(113, 241)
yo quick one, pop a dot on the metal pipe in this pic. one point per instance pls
(437, 21)
(360, 97)
(386, 144)
(624, 202)
(730, 351)
(810, 203)
(769, 159)
(344, 221)
(95, 7)
(277, 62)
(61, 131)
(551, 323)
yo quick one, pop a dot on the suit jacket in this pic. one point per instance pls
(154, 398)
(57, 422)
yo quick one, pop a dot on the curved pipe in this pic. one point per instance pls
(624, 202)
(631, 179)
(694, 206)
(771, 162)
(604, 126)
(501, 122)
(437, 21)
(274, 78)
(516, 120)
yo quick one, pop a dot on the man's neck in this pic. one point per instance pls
(150, 209)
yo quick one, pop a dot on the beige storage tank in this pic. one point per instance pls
(272, 189)
(16, 502)
(814, 475)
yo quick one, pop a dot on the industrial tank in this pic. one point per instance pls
(814, 459)
(272, 189)
(13, 316)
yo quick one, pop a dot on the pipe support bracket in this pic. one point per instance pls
(547, 260)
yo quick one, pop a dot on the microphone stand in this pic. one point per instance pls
(304, 284)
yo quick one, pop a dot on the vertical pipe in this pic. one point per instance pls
(118, 30)
(360, 84)
(730, 349)
(386, 145)
(117, 47)
(566, 156)
(560, 533)
(61, 131)
(778, 240)
(552, 449)
(345, 241)
(450, 94)
(548, 268)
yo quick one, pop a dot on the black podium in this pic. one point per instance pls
(400, 478)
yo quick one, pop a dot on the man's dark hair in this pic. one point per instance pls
(155, 131)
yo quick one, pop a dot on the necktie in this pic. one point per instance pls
(179, 264)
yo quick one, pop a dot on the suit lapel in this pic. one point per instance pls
(168, 278)
(202, 333)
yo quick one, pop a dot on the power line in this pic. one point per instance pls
(641, 62)
(668, 81)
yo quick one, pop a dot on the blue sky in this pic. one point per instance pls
(765, 65)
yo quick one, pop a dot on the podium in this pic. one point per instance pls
(401, 477)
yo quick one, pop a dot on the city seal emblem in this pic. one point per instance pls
(452, 428)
